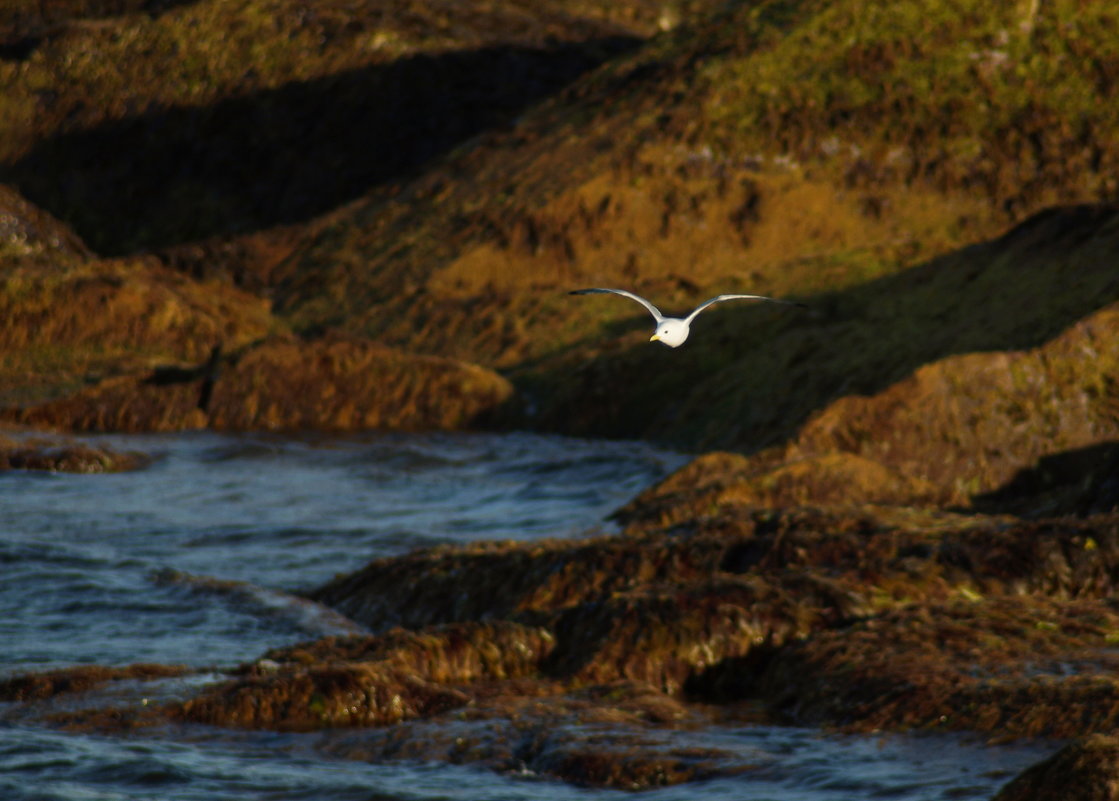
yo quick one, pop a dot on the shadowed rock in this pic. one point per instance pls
(183, 171)
(1012, 667)
(67, 456)
(622, 735)
(1086, 770)
(667, 634)
(38, 686)
(27, 230)
(1082, 481)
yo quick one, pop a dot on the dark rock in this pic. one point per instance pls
(37, 686)
(1022, 666)
(39, 453)
(1086, 770)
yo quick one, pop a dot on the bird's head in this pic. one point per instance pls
(670, 332)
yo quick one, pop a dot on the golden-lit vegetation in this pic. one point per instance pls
(343, 215)
(866, 161)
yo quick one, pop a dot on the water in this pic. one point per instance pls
(191, 561)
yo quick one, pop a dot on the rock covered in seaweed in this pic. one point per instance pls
(346, 384)
(1085, 770)
(64, 455)
(872, 618)
(286, 384)
(370, 681)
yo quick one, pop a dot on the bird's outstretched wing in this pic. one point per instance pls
(652, 309)
(720, 298)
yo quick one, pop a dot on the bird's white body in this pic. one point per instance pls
(673, 331)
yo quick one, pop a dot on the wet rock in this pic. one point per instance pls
(520, 655)
(1010, 667)
(496, 580)
(576, 659)
(623, 735)
(914, 554)
(38, 686)
(716, 479)
(1086, 770)
(688, 492)
(369, 681)
(342, 695)
(719, 607)
(264, 603)
(1061, 557)
(539, 580)
(626, 766)
(39, 453)
(454, 653)
(667, 635)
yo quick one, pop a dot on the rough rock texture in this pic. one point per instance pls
(1009, 667)
(27, 230)
(1086, 770)
(34, 686)
(68, 325)
(283, 384)
(919, 528)
(370, 681)
(866, 618)
(1030, 432)
(966, 424)
(131, 345)
(344, 384)
(68, 456)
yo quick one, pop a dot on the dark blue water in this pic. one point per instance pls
(192, 561)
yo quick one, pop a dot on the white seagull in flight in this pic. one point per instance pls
(672, 331)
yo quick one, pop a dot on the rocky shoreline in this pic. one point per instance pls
(903, 510)
(857, 618)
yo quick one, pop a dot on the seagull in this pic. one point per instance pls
(672, 331)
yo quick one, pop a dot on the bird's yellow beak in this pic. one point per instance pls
(655, 338)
